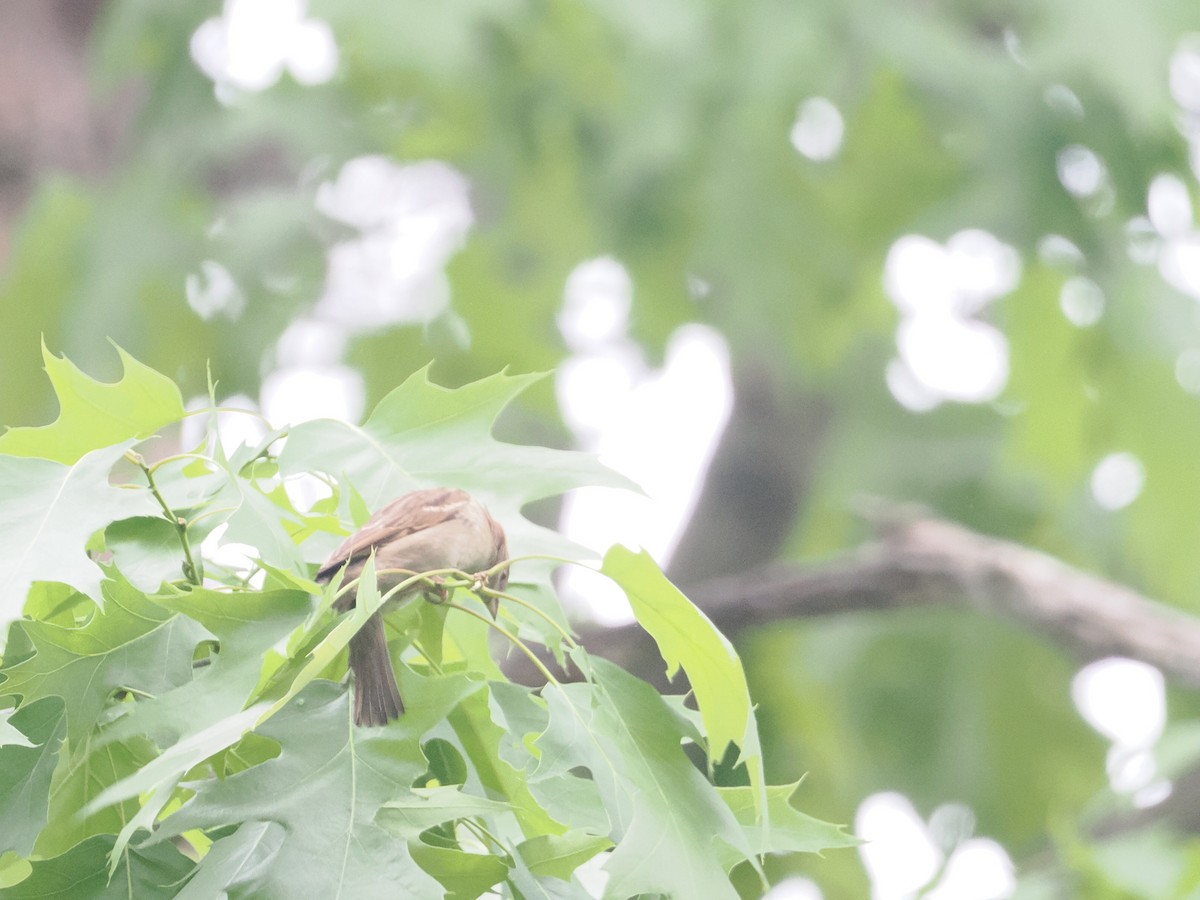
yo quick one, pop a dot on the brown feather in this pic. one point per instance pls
(376, 694)
(404, 516)
(417, 532)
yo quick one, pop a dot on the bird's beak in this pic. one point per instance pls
(493, 606)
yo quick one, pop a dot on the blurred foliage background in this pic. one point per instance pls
(197, 226)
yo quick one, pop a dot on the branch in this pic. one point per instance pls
(918, 560)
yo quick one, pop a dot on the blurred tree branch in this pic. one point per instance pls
(917, 559)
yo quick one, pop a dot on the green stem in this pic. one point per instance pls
(485, 837)
(414, 578)
(193, 572)
(530, 556)
(516, 641)
(212, 410)
(437, 670)
(520, 601)
(176, 457)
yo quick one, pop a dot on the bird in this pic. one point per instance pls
(434, 528)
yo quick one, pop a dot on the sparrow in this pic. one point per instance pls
(436, 528)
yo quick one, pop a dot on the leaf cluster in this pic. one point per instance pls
(175, 726)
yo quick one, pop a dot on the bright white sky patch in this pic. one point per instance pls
(1179, 263)
(1056, 250)
(1185, 73)
(658, 428)
(818, 129)
(1117, 480)
(253, 42)
(979, 869)
(1081, 171)
(918, 276)
(300, 393)
(234, 429)
(794, 888)
(595, 388)
(899, 855)
(599, 295)
(305, 490)
(681, 411)
(902, 854)
(956, 359)
(982, 268)
(213, 292)
(1082, 301)
(309, 342)
(907, 390)
(945, 353)
(412, 219)
(241, 558)
(1169, 205)
(1125, 701)
(1187, 370)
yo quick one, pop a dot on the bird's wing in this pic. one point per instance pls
(403, 516)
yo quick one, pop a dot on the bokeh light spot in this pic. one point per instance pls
(818, 129)
(1117, 480)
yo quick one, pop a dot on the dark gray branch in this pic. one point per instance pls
(919, 560)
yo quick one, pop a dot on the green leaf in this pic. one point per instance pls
(446, 764)
(367, 601)
(25, 771)
(93, 767)
(147, 551)
(132, 643)
(208, 713)
(254, 518)
(246, 625)
(325, 788)
(13, 869)
(528, 885)
(791, 831)
(235, 862)
(560, 855)
(50, 511)
(93, 414)
(484, 740)
(83, 874)
(672, 832)
(464, 875)
(10, 735)
(423, 434)
(423, 808)
(687, 637)
(161, 774)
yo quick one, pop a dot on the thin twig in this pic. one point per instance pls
(192, 571)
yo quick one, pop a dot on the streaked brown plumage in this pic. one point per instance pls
(436, 528)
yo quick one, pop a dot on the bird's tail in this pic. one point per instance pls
(376, 694)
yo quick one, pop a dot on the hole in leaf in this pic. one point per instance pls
(446, 764)
(728, 771)
(205, 653)
(441, 836)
